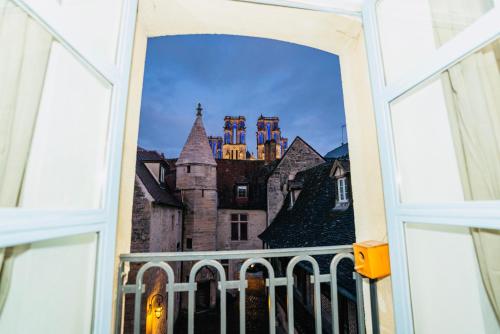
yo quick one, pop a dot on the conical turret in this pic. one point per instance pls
(197, 150)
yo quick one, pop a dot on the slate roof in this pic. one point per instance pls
(340, 152)
(197, 150)
(312, 222)
(254, 173)
(162, 195)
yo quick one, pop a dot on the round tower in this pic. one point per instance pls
(196, 179)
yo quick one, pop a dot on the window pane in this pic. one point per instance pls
(446, 271)
(447, 133)
(72, 18)
(411, 30)
(234, 217)
(234, 231)
(54, 120)
(51, 287)
(243, 231)
(244, 217)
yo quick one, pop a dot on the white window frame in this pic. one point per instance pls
(242, 186)
(482, 214)
(21, 226)
(342, 189)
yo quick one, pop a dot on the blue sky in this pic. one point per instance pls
(235, 75)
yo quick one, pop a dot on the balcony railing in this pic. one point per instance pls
(266, 258)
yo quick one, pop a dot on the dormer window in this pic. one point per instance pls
(342, 189)
(242, 191)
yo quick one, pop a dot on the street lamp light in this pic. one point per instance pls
(156, 305)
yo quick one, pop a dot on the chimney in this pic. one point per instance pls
(270, 151)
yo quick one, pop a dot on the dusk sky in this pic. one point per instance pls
(235, 75)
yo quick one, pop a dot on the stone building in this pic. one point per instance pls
(156, 227)
(317, 211)
(217, 204)
(299, 156)
(270, 144)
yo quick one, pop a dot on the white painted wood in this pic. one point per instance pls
(458, 213)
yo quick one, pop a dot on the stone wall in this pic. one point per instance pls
(299, 156)
(256, 225)
(155, 228)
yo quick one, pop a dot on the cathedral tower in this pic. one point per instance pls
(268, 129)
(196, 180)
(234, 147)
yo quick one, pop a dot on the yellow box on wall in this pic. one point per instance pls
(371, 259)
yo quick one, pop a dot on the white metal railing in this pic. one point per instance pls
(262, 257)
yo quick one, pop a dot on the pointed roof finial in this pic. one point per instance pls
(198, 110)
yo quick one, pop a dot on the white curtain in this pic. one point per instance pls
(24, 52)
(472, 89)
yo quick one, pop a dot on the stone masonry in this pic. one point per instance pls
(299, 156)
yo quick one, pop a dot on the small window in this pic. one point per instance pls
(173, 222)
(202, 192)
(242, 191)
(188, 169)
(189, 243)
(342, 189)
(162, 174)
(178, 246)
(239, 226)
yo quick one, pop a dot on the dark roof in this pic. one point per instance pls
(231, 173)
(162, 195)
(312, 222)
(340, 152)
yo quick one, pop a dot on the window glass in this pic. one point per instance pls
(411, 30)
(242, 191)
(234, 231)
(54, 120)
(189, 243)
(243, 217)
(444, 279)
(447, 133)
(243, 231)
(90, 25)
(42, 296)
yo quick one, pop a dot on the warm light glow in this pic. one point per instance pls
(156, 300)
(158, 311)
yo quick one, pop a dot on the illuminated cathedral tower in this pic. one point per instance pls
(234, 147)
(268, 131)
(216, 146)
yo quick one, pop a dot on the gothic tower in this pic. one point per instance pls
(197, 183)
(268, 130)
(234, 147)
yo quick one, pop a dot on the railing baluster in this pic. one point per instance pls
(119, 298)
(317, 295)
(192, 275)
(272, 311)
(333, 289)
(209, 259)
(138, 294)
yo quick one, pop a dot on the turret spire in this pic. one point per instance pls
(199, 110)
